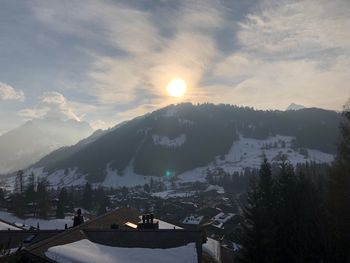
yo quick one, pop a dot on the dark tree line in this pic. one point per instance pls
(234, 183)
(37, 198)
(300, 215)
(92, 199)
(30, 196)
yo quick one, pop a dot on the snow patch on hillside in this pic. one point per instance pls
(59, 178)
(218, 189)
(170, 112)
(66, 177)
(167, 142)
(184, 122)
(247, 152)
(127, 178)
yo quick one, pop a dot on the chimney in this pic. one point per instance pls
(148, 222)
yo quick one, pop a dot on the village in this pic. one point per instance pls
(196, 206)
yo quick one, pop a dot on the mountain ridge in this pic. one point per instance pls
(211, 128)
(28, 143)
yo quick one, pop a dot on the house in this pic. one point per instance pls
(109, 238)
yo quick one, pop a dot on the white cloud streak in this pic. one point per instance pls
(297, 27)
(9, 93)
(52, 105)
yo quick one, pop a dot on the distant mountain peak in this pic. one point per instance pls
(294, 106)
(34, 139)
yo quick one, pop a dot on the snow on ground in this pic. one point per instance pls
(218, 189)
(185, 122)
(167, 142)
(212, 247)
(59, 178)
(172, 194)
(87, 251)
(170, 112)
(44, 224)
(192, 220)
(66, 177)
(197, 174)
(128, 178)
(247, 152)
(4, 226)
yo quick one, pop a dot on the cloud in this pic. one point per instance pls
(100, 124)
(115, 24)
(9, 93)
(274, 84)
(146, 58)
(52, 105)
(296, 27)
(289, 51)
(281, 51)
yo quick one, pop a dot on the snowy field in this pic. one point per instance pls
(91, 252)
(128, 178)
(248, 152)
(44, 224)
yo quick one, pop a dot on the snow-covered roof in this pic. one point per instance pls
(5, 226)
(43, 224)
(192, 220)
(87, 251)
(221, 218)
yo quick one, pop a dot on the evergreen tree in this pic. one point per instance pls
(43, 198)
(87, 197)
(19, 182)
(146, 188)
(62, 203)
(102, 201)
(258, 230)
(286, 219)
(339, 191)
(60, 210)
(30, 194)
(2, 195)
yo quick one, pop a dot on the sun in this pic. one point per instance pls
(176, 87)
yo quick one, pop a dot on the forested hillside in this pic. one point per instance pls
(182, 137)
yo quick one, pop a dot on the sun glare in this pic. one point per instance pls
(176, 87)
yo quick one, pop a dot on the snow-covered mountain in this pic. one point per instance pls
(294, 106)
(185, 140)
(28, 143)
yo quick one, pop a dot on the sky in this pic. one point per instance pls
(108, 61)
